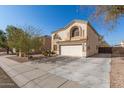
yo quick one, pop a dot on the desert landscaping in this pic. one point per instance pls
(117, 72)
(58, 47)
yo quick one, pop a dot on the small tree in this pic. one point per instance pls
(14, 36)
(36, 43)
(24, 44)
(35, 38)
(23, 40)
(3, 41)
(108, 14)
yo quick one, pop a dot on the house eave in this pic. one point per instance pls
(72, 42)
(72, 22)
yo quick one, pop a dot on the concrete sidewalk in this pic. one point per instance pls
(89, 72)
(6, 81)
(29, 75)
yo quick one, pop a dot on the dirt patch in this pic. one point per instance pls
(117, 72)
(2, 53)
(19, 59)
(6, 81)
(25, 59)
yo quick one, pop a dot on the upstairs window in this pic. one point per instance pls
(56, 36)
(75, 32)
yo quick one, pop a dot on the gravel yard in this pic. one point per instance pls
(117, 72)
(18, 59)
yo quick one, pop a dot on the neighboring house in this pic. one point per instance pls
(46, 42)
(120, 45)
(78, 38)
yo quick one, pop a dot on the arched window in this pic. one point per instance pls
(75, 32)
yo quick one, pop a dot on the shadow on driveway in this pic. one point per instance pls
(56, 59)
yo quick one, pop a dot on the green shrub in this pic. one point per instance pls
(48, 53)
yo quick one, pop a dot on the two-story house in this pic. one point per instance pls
(78, 38)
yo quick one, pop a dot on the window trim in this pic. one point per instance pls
(75, 33)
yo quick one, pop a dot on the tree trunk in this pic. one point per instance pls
(7, 50)
(24, 54)
(20, 53)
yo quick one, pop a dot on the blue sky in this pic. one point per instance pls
(51, 18)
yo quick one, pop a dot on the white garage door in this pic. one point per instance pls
(73, 50)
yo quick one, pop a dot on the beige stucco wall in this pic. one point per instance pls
(92, 42)
(65, 34)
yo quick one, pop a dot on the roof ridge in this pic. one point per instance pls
(73, 21)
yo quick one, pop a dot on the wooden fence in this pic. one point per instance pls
(113, 50)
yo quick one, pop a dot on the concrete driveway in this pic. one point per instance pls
(89, 72)
(60, 72)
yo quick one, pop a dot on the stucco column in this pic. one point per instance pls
(80, 31)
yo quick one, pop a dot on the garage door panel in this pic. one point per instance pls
(73, 50)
